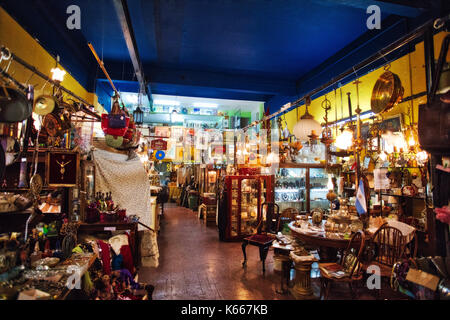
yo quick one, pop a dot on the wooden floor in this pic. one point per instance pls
(195, 265)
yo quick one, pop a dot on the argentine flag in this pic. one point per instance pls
(361, 207)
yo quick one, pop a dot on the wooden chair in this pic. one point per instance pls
(411, 247)
(350, 263)
(266, 233)
(388, 245)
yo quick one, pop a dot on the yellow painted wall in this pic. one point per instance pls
(14, 37)
(414, 75)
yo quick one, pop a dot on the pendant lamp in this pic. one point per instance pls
(307, 126)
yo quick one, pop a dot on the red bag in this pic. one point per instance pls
(118, 132)
(118, 121)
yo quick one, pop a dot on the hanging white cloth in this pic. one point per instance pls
(126, 180)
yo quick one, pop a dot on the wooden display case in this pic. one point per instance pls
(245, 196)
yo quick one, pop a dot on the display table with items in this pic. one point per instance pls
(132, 227)
(384, 242)
(54, 263)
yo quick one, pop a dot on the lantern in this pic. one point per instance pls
(138, 116)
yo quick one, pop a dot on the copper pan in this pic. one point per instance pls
(387, 92)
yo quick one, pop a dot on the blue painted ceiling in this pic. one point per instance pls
(265, 50)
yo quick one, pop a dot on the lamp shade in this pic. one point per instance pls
(305, 127)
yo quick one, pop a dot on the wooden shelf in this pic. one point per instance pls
(403, 196)
(301, 165)
(28, 189)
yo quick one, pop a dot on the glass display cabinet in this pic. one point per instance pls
(247, 193)
(318, 190)
(301, 186)
(290, 188)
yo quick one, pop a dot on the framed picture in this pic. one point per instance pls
(163, 132)
(365, 131)
(393, 124)
(62, 168)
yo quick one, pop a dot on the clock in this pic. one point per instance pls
(62, 168)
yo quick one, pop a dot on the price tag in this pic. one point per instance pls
(423, 278)
(109, 228)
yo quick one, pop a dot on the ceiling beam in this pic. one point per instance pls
(123, 14)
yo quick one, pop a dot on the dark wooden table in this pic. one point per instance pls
(116, 226)
(328, 247)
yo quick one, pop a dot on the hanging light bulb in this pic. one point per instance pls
(58, 74)
(345, 139)
(307, 126)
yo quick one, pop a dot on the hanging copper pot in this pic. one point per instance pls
(387, 92)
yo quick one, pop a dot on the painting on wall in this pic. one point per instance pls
(393, 124)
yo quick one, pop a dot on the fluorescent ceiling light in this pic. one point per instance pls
(166, 102)
(205, 105)
(354, 117)
(131, 98)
